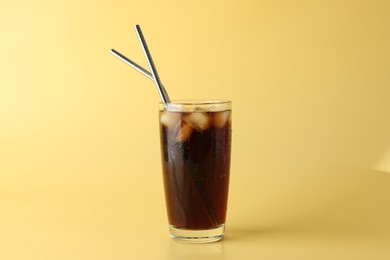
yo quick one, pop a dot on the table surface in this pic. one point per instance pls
(103, 223)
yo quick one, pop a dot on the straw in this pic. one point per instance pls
(164, 96)
(131, 63)
(137, 67)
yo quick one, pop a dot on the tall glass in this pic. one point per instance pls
(195, 148)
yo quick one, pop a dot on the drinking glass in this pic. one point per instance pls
(195, 149)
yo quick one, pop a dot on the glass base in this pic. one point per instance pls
(197, 236)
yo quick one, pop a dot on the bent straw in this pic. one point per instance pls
(164, 96)
(136, 67)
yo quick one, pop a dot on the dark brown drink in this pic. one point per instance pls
(196, 164)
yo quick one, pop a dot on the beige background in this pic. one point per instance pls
(80, 173)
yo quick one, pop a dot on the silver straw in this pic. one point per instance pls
(163, 94)
(131, 63)
(135, 66)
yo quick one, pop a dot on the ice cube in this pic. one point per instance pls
(169, 119)
(220, 118)
(184, 133)
(198, 121)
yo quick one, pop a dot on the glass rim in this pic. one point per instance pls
(192, 102)
(196, 105)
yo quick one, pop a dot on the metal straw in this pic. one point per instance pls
(131, 63)
(137, 67)
(163, 94)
